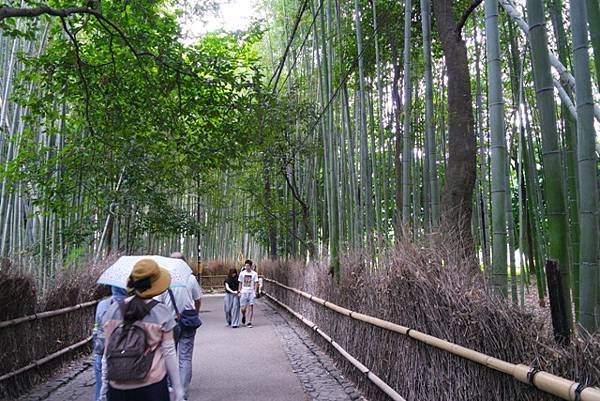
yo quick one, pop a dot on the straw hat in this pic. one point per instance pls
(147, 279)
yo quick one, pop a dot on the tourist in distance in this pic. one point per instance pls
(184, 301)
(249, 281)
(141, 376)
(118, 294)
(232, 299)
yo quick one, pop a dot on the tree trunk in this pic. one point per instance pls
(462, 150)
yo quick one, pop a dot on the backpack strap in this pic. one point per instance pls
(174, 303)
(152, 304)
(122, 306)
(149, 306)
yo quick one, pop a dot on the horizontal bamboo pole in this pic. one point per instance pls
(45, 359)
(42, 315)
(544, 381)
(383, 386)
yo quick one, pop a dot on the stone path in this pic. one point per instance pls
(273, 361)
(322, 381)
(76, 382)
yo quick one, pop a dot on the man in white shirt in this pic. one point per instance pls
(186, 298)
(249, 286)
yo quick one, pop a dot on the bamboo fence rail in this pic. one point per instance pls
(383, 386)
(42, 315)
(45, 359)
(544, 381)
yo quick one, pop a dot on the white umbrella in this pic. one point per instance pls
(118, 273)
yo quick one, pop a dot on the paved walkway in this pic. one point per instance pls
(273, 361)
(243, 363)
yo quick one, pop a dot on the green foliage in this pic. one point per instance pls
(120, 99)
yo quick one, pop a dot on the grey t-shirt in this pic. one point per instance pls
(184, 296)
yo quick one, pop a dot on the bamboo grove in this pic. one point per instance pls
(331, 127)
(477, 119)
(108, 126)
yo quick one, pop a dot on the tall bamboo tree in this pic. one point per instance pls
(499, 156)
(431, 158)
(407, 148)
(365, 172)
(588, 170)
(553, 173)
(593, 19)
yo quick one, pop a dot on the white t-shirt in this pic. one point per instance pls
(184, 296)
(248, 280)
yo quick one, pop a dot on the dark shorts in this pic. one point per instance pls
(154, 392)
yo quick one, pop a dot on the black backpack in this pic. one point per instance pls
(128, 357)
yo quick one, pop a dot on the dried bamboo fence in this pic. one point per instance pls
(430, 289)
(544, 381)
(42, 315)
(38, 341)
(212, 283)
(383, 386)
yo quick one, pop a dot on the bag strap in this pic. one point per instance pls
(174, 303)
(150, 305)
(122, 308)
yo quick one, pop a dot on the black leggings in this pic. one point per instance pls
(154, 392)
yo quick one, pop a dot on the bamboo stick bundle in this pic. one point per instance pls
(355, 362)
(547, 382)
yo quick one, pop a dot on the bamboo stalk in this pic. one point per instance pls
(587, 171)
(43, 315)
(430, 148)
(499, 181)
(556, 209)
(541, 380)
(564, 74)
(407, 146)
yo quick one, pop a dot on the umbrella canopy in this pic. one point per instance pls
(118, 273)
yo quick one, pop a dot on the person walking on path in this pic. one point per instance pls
(140, 311)
(184, 300)
(232, 299)
(118, 294)
(249, 280)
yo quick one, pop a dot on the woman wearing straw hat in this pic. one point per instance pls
(146, 281)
